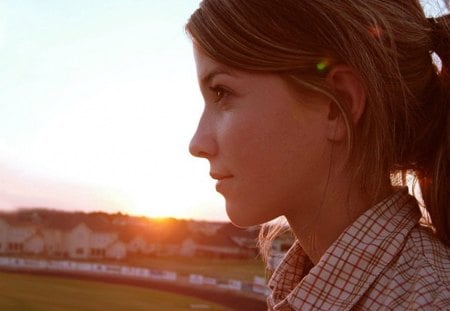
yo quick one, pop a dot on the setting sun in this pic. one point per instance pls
(99, 101)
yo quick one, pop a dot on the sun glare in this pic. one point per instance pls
(141, 205)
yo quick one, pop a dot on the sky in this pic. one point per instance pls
(98, 102)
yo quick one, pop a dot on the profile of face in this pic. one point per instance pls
(266, 144)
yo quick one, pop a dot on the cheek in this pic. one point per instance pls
(248, 140)
(261, 146)
(281, 154)
(271, 140)
(274, 161)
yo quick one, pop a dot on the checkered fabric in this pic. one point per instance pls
(384, 261)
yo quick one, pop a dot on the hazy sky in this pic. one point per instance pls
(98, 102)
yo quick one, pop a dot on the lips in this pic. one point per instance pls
(219, 176)
(222, 180)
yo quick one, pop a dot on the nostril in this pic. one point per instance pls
(202, 154)
(202, 146)
(197, 152)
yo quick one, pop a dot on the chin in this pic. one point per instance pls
(237, 216)
(242, 217)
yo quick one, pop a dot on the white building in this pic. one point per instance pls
(79, 242)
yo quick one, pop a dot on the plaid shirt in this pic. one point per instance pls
(384, 261)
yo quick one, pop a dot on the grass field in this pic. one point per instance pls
(40, 293)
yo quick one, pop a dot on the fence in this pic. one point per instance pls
(257, 287)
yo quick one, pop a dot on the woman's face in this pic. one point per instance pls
(266, 146)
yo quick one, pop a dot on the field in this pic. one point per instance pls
(36, 293)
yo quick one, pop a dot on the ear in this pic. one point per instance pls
(351, 94)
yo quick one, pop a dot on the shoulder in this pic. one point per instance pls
(431, 254)
(420, 277)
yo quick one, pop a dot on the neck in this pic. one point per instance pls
(342, 204)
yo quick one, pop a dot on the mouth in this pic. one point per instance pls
(219, 177)
(221, 180)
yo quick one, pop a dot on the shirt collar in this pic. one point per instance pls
(351, 264)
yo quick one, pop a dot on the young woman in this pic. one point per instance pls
(317, 111)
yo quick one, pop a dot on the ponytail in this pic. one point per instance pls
(434, 181)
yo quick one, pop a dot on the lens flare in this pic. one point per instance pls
(322, 65)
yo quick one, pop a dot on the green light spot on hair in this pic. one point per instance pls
(321, 66)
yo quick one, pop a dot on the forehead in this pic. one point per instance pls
(207, 67)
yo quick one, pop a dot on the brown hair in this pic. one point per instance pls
(405, 127)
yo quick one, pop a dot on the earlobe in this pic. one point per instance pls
(346, 109)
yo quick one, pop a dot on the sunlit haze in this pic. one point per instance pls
(99, 100)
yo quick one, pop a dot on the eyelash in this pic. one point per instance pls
(219, 92)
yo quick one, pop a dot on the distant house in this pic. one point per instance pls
(55, 242)
(279, 248)
(67, 238)
(138, 241)
(188, 248)
(167, 237)
(246, 239)
(15, 236)
(78, 241)
(4, 228)
(116, 250)
(283, 242)
(85, 241)
(34, 244)
(169, 246)
(213, 246)
(137, 245)
(19, 237)
(204, 227)
(102, 236)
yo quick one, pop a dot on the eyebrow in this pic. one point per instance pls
(207, 78)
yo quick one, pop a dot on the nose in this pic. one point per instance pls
(203, 144)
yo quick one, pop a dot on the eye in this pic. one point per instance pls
(219, 93)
